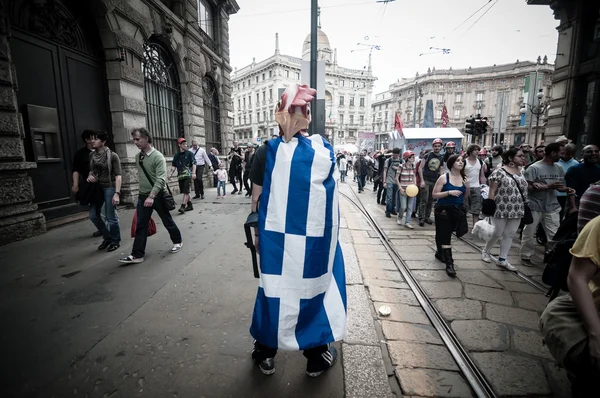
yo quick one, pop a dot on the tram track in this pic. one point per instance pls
(471, 372)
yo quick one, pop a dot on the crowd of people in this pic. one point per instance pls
(515, 188)
(546, 181)
(534, 189)
(97, 179)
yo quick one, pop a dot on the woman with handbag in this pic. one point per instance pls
(508, 188)
(450, 191)
(105, 171)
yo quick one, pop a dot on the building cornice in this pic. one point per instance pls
(473, 74)
(295, 62)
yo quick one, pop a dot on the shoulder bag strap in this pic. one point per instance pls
(146, 173)
(150, 179)
(516, 183)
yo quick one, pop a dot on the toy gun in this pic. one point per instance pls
(252, 222)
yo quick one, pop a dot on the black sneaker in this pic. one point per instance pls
(202, 196)
(394, 213)
(131, 260)
(196, 197)
(234, 191)
(388, 215)
(266, 366)
(97, 234)
(112, 247)
(421, 223)
(104, 245)
(182, 209)
(429, 221)
(316, 366)
(189, 207)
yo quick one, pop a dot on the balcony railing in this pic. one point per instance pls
(209, 41)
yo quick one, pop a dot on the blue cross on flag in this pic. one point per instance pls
(301, 300)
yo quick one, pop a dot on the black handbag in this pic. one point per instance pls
(166, 197)
(527, 216)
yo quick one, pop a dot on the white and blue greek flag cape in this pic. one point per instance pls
(301, 300)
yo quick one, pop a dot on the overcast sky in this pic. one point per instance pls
(404, 29)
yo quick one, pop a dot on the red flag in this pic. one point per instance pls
(445, 118)
(398, 126)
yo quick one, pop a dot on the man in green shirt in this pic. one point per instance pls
(152, 171)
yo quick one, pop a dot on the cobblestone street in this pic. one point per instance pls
(493, 313)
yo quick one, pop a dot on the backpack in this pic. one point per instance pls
(558, 258)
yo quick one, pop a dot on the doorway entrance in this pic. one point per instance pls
(61, 92)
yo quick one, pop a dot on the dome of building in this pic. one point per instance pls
(323, 47)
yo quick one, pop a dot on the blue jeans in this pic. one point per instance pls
(361, 182)
(141, 228)
(406, 204)
(343, 175)
(391, 199)
(221, 184)
(113, 233)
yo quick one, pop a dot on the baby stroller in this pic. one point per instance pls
(558, 258)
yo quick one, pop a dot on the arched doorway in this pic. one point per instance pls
(212, 114)
(162, 92)
(62, 91)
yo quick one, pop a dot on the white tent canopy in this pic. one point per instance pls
(417, 139)
(351, 148)
(432, 133)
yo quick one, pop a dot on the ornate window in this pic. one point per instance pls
(212, 114)
(162, 93)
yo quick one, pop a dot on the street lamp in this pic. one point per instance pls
(538, 110)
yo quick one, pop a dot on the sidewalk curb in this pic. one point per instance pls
(365, 373)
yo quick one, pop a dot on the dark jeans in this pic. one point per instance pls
(379, 187)
(268, 352)
(361, 182)
(426, 202)
(445, 224)
(235, 174)
(391, 198)
(247, 186)
(199, 182)
(143, 217)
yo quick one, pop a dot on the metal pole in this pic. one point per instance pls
(537, 126)
(532, 105)
(314, 18)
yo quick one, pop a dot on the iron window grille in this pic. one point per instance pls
(162, 93)
(212, 114)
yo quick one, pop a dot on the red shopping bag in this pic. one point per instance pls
(151, 226)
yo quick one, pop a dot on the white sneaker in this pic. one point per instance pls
(506, 265)
(399, 221)
(176, 247)
(409, 226)
(486, 257)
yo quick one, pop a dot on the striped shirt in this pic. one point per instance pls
(407, 175)
(589, 206)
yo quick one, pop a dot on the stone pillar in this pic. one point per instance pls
(19, 218)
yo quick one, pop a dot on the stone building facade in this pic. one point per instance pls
(575, 107)
(110, 65)
(348, 94)
(497, 92)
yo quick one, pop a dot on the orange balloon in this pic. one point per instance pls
(412, 190)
